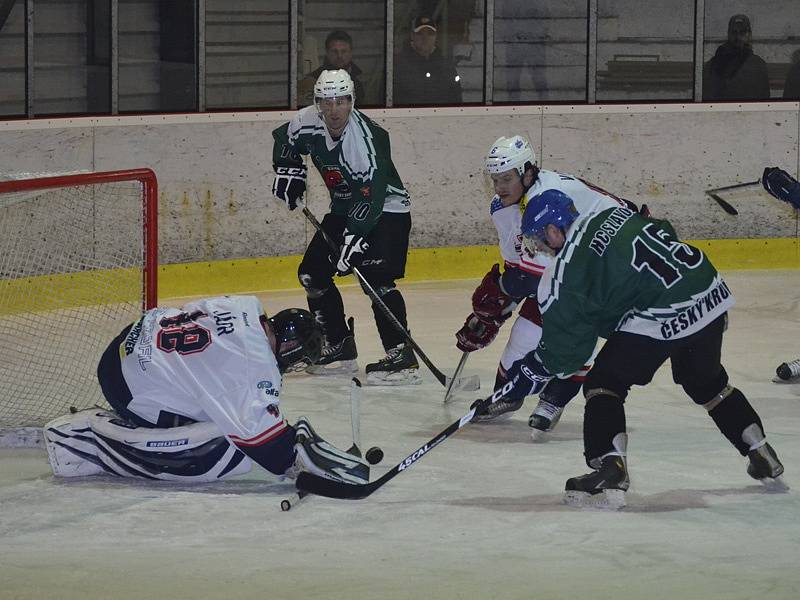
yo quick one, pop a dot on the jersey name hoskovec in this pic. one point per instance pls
(619, 271)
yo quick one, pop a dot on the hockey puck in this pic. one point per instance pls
(374, 455)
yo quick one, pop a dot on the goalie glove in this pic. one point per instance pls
(477, 332)
(781, 185)
(289, 185)
(351, 253)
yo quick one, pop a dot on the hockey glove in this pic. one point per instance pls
(781, 185)
(528, 376)
(489, 300)
(351, 253)
(477, 332)
(290, 185)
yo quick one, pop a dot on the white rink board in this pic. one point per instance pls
(478, 517)
(215, 170)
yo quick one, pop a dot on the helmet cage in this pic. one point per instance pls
(298, 339)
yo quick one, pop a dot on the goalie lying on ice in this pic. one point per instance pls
(195, 397)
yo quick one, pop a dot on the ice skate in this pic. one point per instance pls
(788, 372)
(499, 410)
(544, 419)
(605, 487)
(398, 367)
(765, 466)
(339, 358)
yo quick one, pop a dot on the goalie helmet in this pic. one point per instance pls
(298, 339)
(510, 153)
(551, 207)
(334, 84)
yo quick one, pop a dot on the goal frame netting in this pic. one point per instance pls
(11, 435)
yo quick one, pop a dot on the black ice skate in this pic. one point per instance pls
(398, 367)
(765, 466)
(338, 359)
(788, 372)
(543, 419)
(499, 410)
(604, 488)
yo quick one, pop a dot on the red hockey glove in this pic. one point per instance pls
(477, 332)
(489, 300)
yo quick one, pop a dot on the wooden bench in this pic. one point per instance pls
(640, 72)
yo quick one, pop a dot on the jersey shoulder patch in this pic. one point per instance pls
(496, 205)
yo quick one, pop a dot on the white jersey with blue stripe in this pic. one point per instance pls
(210, 360)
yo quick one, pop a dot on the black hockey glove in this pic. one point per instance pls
(351, 253)
(290, 185)
(781, 185)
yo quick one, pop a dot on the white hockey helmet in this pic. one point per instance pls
(334, 84)
(510, 153)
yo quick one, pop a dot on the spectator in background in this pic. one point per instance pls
(422, 75)
(735, 73)
(791, 89)
(338, 55)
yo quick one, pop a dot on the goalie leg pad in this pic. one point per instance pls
(315, 455)
(194, 453)
(71, 446)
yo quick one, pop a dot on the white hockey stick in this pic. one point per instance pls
(355, 416)
(448, 393)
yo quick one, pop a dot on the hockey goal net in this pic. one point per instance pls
(78, 259)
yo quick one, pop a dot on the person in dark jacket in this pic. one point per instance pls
(422, 75)
(735, 73)
(791, 89)
(338, 55)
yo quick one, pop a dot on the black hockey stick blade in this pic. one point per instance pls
(320, 486)
(735, 186)
(373, 295)
(726, 206)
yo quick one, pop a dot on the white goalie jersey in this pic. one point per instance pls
(210, 360)
(508, 220)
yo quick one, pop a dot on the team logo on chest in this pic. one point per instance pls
(335, 181)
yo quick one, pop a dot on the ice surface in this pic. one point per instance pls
(479, 517)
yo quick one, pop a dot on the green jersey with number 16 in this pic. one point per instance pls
(357, 168)
(619, 271)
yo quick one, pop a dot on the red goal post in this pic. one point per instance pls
(78, 262)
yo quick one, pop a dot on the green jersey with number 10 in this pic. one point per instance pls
(357, 168)
(619, 271)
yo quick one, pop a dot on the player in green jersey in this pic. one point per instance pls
(369, 218)
(628, 279)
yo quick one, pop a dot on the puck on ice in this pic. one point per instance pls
(374, 455)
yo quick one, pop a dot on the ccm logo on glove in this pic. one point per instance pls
(289, 185)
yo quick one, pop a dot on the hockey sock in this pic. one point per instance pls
(734, 416)
(328, 309)
(603, 419)
(500, 378)
(390, 336)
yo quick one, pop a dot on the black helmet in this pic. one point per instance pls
(299, 339)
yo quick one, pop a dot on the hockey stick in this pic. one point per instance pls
(470, 383)
(726, 206)
(448, 393)
(355, 416)
(314, 484)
